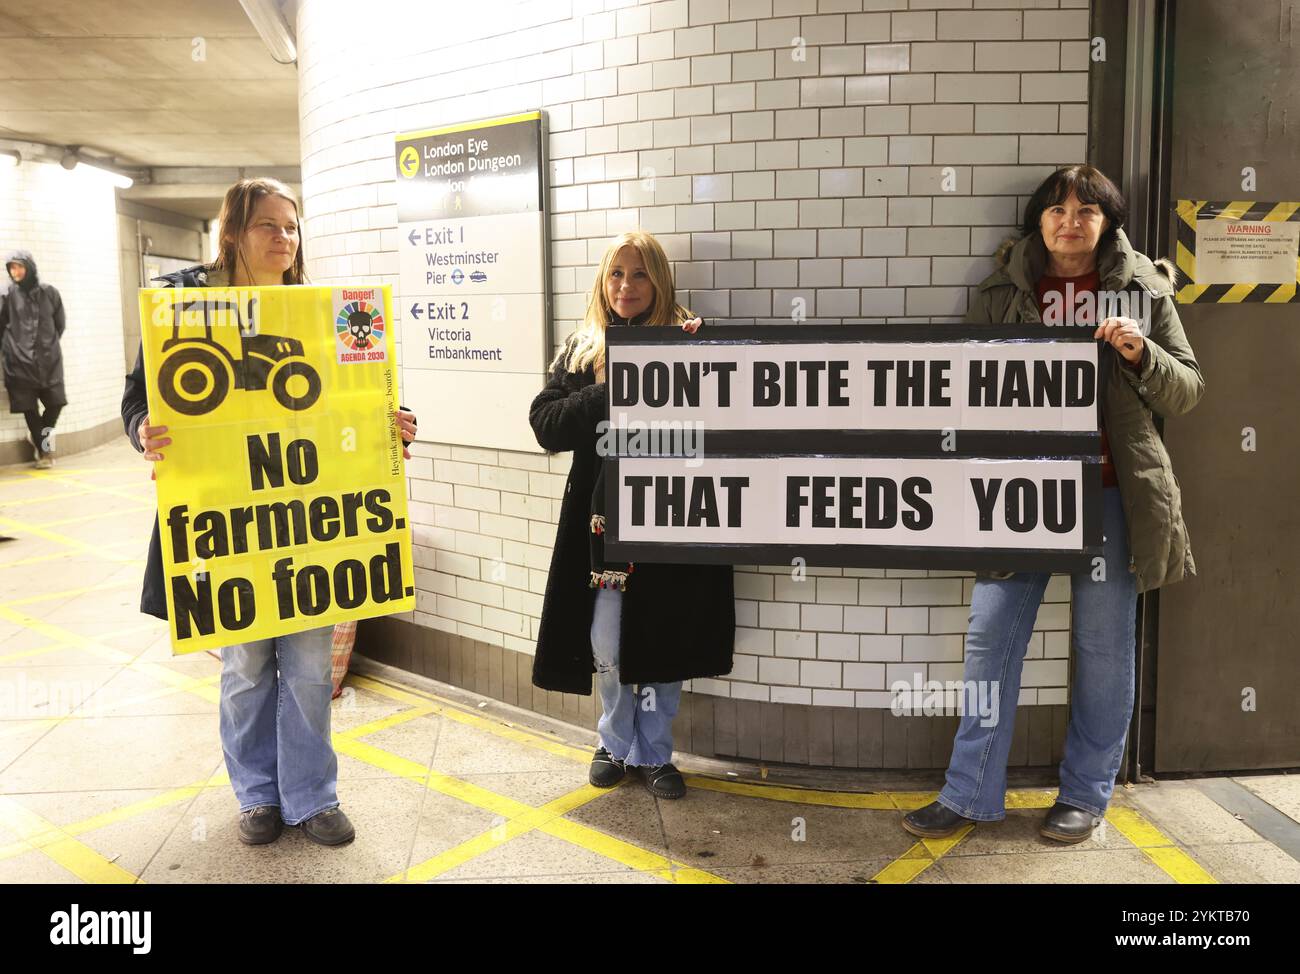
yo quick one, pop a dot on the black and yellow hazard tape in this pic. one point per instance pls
(1192, 211)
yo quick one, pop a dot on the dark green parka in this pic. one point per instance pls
(1168, 383)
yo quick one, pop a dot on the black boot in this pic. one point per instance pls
(935, 821)
(606, 770)
(663, 781)
(1064, 823)
(330, 827)
(260, 825)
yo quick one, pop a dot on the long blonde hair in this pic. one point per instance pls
(236, 212)
(586, 346)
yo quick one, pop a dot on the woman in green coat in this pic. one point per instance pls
(1072, 256)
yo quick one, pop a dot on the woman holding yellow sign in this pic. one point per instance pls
(275, 693)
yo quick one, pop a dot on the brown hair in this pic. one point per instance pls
(236, 211)
(588, 344)
(1089, 185)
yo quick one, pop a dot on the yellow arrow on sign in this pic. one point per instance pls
(409, 161)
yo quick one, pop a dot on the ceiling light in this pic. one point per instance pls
(10, 157)
(270, 25)
(72, 159)
(120, 180)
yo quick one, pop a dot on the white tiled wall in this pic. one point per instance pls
(789, 154)
(69, 223)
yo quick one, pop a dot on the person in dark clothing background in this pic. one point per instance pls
(31, 324)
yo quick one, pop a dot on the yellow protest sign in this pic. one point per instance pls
(282, 497)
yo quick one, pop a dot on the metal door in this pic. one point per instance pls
(1231, 636)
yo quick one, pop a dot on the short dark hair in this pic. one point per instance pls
(1090, 185)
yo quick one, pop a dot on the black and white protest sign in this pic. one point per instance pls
(864, 385)
(875, 446)
(900, 512)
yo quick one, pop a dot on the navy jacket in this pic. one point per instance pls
(135, 407)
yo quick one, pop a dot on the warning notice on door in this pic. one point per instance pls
(1246, 252)
(1234, 251)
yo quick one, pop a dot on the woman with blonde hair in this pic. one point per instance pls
(645, 628)
(274, 710)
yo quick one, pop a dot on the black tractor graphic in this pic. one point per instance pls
(197, 373)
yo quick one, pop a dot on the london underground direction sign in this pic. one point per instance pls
(471, 238)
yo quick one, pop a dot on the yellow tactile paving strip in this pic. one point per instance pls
(515, 818)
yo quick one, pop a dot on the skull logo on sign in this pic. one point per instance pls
(359, 327)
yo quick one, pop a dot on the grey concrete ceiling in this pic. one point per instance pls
(120, 78)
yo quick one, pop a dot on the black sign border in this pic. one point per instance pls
(839, 555)
(875, 444)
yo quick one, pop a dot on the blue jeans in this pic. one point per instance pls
(636, 725)
(275, 728)
(1101, 692)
